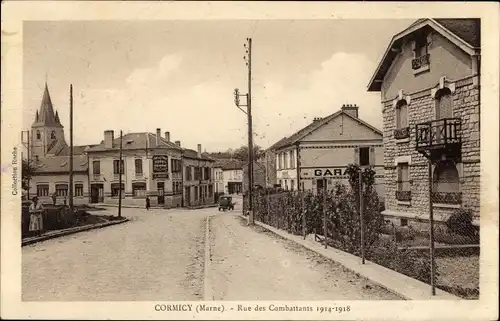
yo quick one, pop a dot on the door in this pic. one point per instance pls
(320, 185)
(96, 193)
(161, 192)
(188, 196)
(444, 110)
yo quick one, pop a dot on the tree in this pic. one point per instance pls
(242, 152)
(28, 169)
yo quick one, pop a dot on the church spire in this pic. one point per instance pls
(46, 116)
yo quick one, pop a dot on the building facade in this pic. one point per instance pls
(151, 167)
(218, 177)
(316, 157)
(259, 176)
(429, 82)
(198, 178)
(232, 176)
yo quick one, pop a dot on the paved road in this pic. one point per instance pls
(160, 255)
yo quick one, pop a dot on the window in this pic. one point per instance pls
(210, 190)
(53, 135)
(138, 167)
(116, 170)
(420, 47)
(196, 193)
(402, 129)
(446, 184)
(364, 156)
(115, 190)
(444, 107)
(403, 184)
(138, 189)
(420, 60)
(42, 190)
(292, 159)
(62, 189)
(38, 135)
(176, 165)
(96, 167)
(78, 190)
(292, 182)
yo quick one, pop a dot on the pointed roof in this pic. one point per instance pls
(464, 33)
(299, 135)
(46, 116)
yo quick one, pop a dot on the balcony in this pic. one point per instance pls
(404, 196)
(435, 137)
(402, 133)
(451, 198)
(420, 62)
(96, 177)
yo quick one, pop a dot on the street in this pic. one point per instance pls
(160, 255)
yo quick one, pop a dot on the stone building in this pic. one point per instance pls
(232, 174)
(316, 157)
(429, 83)
(49, 156)
(151, 166)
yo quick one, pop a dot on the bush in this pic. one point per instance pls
(460, 222)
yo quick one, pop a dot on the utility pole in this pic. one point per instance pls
(120, 173)
(71, 147)
(248, 112)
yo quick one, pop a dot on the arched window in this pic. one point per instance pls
(401, 114)
(38, 135)
(444, 106)
(53, 135)
(446, 179)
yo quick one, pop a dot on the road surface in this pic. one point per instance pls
(160, 255)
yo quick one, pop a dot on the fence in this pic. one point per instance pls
(333, 218)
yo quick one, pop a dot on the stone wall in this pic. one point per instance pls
(466, 105)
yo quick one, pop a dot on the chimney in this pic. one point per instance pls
(108, 138)
(167, 136)
(199, 150)
(158, 136)
(178, 143)
(350, 109)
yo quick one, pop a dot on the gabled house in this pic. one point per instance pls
(429, 80)
(316, 157)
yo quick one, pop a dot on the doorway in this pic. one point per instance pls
(160, 186)
(320, 185)
(96, 193)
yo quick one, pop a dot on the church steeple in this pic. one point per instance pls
(46, 116)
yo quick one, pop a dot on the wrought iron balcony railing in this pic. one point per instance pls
(402, 133)
(438, 133)
(446, 197)
(403, 196)
(420, 62)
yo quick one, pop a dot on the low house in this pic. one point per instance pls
(232, 173)
(198, 177)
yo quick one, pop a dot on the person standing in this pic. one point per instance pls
(148, 203)
(36, 219)
(54, 198)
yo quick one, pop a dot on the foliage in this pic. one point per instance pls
(460, 222)
(28, 169)
(239, 153)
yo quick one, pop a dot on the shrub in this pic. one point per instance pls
(460, 222)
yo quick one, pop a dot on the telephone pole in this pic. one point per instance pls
(248, 112)
(71, 147)
(120, 173)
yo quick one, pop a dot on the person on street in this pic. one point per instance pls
(36, 218)
(54, 198)
(148, 203)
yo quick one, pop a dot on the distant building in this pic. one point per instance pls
(429, 82)
(218, 177)
(316, 157)
(48, 154)
(151, 166)
(232, 176)
(198, 177)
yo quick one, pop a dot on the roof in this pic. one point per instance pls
(77, 150)
(229, 164)
(60, 164)
(135, 141)
(285, 142)
(46, 116)
(191, 153)
(464, 33)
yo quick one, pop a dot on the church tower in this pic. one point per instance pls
(47, 132)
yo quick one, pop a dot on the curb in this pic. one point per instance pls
(395, 282)
(69, 231)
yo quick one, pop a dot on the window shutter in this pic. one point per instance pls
(356, 155)
(372, 156)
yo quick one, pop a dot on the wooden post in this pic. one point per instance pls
(120, 179)
(431, 232)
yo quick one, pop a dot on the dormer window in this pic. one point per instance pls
(420, 48)
(53, 135)
(38, 135)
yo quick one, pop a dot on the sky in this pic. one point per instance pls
(179, 76)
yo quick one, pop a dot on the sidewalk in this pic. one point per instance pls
(58, 233)
(407, 287)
